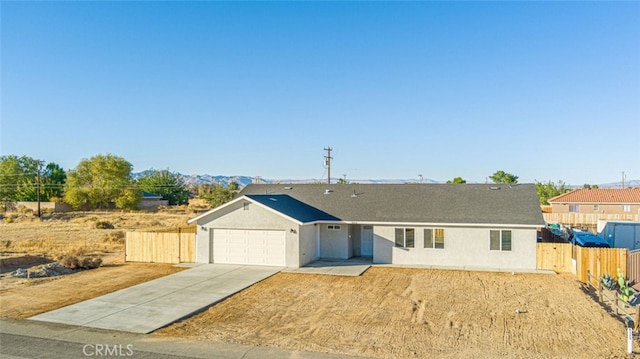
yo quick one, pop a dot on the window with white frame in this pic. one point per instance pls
(596, 207)
(334, 227)
(405, 237)
(500, 240)
(574, 208)
(626, 208)
(434, 238)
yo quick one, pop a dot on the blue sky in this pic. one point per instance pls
(543, 90)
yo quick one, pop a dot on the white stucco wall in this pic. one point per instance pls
(307, 244)
(334, 243)
(250, 216)
(463, 247)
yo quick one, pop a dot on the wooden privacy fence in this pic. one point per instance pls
(160, 247)
(560, 257)
(555, 256)
(633, 266)
(586, 219)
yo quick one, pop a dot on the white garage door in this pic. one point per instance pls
(256, 247)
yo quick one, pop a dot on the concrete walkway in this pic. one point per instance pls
(152, 305)
(348, 267)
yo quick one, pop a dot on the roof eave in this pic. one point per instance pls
(244, 197)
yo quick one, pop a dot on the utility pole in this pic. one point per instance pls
(420, 176)
(623, 177)
(38, 190)
(327, 162)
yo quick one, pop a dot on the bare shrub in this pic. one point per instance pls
(114, 237)
(90, 263)
(74, 262)
(104, 225)
(69, 261)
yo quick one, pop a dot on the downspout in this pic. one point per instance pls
(317, 241)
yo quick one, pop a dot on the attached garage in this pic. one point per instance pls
(254, 247)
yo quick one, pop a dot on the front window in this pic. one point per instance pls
(574, 208)
(626, 208)
(500, 240)
(434, 238)
(405, 237)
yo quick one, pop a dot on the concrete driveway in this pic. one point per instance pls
(152, 305)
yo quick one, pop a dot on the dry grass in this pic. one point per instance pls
(78, 233)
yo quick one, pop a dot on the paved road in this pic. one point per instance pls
(31, 339)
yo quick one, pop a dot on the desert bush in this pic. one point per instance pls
(8, 220)
(6, 243)
(90, 262)
(69, 261)
(74, 262)
(104, 225)
(114, 237)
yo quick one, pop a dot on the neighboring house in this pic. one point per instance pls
(598, 200)
(150, 200)
(443, 225)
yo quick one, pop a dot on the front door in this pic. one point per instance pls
(366, 244)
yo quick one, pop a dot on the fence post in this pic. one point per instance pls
(600, 292)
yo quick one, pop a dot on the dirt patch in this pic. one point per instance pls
(9, 264)
(415, 313)
(23, 298)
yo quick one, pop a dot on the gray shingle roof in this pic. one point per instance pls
(293, 208)
(406, 203)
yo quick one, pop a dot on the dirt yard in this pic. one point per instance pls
(386, 312)
(415, 313)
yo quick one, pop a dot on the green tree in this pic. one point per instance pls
(549, 189)
(233, 186)
(18, 178)
(167, 184)
(101, 180)
(457, 180)
(504, 177)
(52, 182)
(215, 195)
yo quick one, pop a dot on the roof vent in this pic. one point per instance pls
(288, 188)
(327, 191)
(494, 188)
(354, 194)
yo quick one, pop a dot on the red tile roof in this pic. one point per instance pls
(599, 195)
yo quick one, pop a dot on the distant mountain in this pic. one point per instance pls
(242, 181)
(627, 184)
